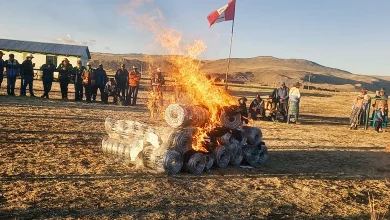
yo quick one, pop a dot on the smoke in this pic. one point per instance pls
(145, 15)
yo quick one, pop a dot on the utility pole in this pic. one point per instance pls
(309, 81)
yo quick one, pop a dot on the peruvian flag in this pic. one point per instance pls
(225, 13)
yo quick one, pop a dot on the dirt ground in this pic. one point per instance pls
(52, 166)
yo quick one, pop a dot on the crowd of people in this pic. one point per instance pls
(282, 101)
(124, 88)
(360, 108)
(87, 80)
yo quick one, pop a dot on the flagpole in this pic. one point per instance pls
(230, 53)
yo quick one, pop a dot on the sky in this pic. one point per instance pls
(352, 35)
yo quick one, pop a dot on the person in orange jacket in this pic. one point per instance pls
(134, 79)
(89, 81)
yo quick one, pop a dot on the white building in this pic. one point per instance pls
(44, 51)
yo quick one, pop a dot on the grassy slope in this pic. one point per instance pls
(263, 70)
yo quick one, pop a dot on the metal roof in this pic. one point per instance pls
(47, 48)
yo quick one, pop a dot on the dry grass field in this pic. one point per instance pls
(52, 166)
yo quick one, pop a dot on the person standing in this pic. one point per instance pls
(47, 77)
(134, 79)
(78, 81)
(89, 81)
(2, 66)
(157, 83)
(64, 71)
(28, 75)
(294, 100)
(12, 71)
(366, 101)
(243, 109)
(101, 80)
(121, 78)
(281, 95)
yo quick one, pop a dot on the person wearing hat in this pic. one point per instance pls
(243, 109)
(65, 70)
(281, 98)
(358, 109)
(27, 73)
(89, 81)
(256, 108)
(101, 80)
(382, 94)
(12, 70)
(121, 78)
(78, 72)
(2, 66)
(293, 105)
(134, 79)
(47, 77)
(271, 108)
(157, 83)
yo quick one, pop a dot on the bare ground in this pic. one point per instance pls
(52, 166)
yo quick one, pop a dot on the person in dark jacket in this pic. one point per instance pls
(2, 66)
(121, 78)
(111, 89)
(64, 71)
(379, 118)
(89, 81)
(282, 95)
(243, 110)
(256, 108)
(28, 75)
(101, 80)
(12, 71)
(47, 77)
(78, 81)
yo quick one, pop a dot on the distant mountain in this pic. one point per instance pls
(262, 70)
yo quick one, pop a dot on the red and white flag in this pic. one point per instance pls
(225, 13)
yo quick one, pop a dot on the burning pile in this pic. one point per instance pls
(201, 147)
(189, 145)
(206, 132)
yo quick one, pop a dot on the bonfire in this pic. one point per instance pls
(206, 131)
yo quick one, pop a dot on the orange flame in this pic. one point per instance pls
(200, 90)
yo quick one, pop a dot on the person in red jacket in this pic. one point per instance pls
(134, 79)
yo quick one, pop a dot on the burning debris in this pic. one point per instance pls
(184, 116)
(206, 132)
(190, 144)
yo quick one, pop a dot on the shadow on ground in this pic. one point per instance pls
(167, 209)
(323, 120)
(57, 103)
(296, 164)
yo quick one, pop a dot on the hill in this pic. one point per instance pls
(263, 70)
